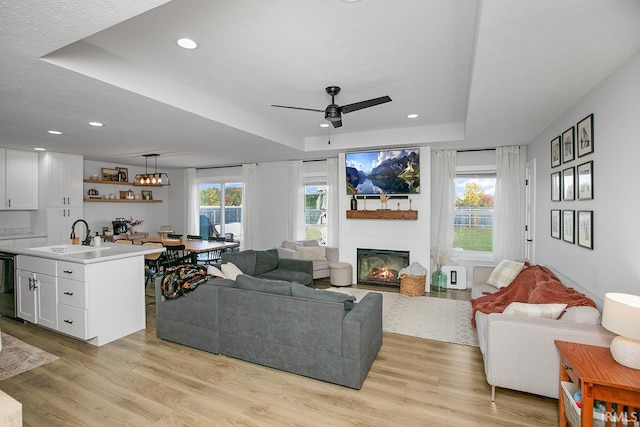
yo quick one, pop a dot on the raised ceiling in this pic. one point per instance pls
(479, 74)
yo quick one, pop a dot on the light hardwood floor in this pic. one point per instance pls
(141, 380)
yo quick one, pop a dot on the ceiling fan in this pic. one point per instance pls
(333, 112)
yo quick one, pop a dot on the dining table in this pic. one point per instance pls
(193, 247)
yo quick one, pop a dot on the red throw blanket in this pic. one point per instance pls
(534, 285)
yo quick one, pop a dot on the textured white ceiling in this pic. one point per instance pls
(480, 74)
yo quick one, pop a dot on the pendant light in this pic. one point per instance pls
(151, 179)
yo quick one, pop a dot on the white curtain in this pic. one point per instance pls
(193, 202)
(442, 206)
(508, 216)
(295, 201)
(333, 219)
(250, 205)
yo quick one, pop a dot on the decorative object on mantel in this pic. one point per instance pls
(354, 203)
(621, 315)
(383, 201)
(155, 178)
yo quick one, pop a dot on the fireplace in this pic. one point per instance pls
(380, 267)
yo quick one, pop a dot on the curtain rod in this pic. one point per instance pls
(471, 150)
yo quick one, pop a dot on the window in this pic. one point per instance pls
(215, 221)
(315, 213)
(473, 215)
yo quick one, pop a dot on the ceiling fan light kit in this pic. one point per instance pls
(157, 179)
(333, 112)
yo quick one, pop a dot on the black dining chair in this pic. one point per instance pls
(194, 237)
(176, 255)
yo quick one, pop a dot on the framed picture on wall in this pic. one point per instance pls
(568, 226)
(568, 184)
(555, 152)
(555, 223)
(568, 145)
(555, 187)
(585, 229)
(585, 181)
(585, 136)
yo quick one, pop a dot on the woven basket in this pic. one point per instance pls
(412, 285)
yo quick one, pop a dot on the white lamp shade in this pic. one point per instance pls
(621, 314)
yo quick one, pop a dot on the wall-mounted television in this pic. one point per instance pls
(384, 171)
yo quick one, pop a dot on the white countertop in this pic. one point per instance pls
(106, 252)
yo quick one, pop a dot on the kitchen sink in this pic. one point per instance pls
(68, 249)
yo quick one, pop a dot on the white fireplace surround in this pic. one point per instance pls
(389, 234)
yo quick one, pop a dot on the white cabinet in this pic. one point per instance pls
(20, 175)
(59, 222)
(64, 179)
(37, 293)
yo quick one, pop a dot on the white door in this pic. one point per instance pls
(530, 209)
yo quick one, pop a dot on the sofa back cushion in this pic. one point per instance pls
(582, 314)
(312, 253)
(245, 260)
(304, 292)
(266, 261)
(277, 287)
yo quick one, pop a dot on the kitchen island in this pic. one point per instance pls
(96, 294)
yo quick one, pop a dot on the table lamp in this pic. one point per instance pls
(621, 315)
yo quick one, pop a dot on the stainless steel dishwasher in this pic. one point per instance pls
(7, 285)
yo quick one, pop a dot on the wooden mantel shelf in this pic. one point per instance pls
(383, 214)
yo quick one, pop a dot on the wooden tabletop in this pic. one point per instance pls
(595, 365)
(197, 246)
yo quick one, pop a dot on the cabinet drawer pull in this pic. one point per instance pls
(68, 293)
(68, 271)
(68, 321)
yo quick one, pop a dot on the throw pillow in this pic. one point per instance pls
(548, 311)
(214, 271)
(249, 283)
(504, 273)
(312, 253)
(230, 271)
(304, 292)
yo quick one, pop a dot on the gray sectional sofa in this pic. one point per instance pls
(283, 325)
(268, 265)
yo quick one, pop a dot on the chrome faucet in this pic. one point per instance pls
(87, 239)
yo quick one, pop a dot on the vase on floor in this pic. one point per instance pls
(439, 280)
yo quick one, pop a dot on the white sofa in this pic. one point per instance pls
(519, 352)
(321, 256)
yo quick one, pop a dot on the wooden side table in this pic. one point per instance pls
(598, 376)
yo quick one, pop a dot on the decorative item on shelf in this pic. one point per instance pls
(94, 177)
(132, 224)
(151, 179)
(354, 203)
(384, 198)
(147, 195)
(93, 193)
(410, 204)
(398, 206)
(621, 315)
(364, 203)
(110, 174)
(123, 174)
(129, 195)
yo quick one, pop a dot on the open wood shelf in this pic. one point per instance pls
(123, 200)
(98, 181)
(383, 214)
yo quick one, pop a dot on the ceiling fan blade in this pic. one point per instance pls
(298, 108)
(364, 104)
(336, 123)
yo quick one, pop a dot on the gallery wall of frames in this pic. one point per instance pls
(572, 180)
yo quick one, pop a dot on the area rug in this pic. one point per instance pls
(426, 317)
(17, 357)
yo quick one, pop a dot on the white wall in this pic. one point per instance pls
(614, 263)
(404, 235)
(100, 215)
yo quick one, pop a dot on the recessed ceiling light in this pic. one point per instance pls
(54, 132)
(187, 44)
(324, 125)
(96, 124)
(412, 116)
(39, 149)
